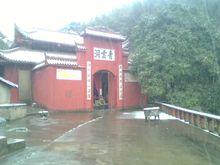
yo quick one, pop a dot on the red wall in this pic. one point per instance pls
(11, 74)
(42, 86)
(112, 83)
(132, 95)
(69, 94)
(125, 61)
(58, 94)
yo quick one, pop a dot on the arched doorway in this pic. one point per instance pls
(104, 92)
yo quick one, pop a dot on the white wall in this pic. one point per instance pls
(5, 94)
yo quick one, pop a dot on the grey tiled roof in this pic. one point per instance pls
(22, 55)
(9, 83)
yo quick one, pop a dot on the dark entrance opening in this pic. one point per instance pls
(104, 90)
(101, 90)
(104, 84)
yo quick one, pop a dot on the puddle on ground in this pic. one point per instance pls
(140, 115)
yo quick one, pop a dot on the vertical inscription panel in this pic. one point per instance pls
(120, 82)
(89, 80)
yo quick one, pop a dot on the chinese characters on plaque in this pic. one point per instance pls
(120, 84)
(88, 83)
(104, 54)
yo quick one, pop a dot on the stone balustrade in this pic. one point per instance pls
(200, 119)
(13, 111)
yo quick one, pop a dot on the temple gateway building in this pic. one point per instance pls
(71, 72)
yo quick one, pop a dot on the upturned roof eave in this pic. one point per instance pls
(8, 83)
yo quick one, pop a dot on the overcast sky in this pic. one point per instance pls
(52, 14)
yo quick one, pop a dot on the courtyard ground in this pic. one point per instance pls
(112, 138)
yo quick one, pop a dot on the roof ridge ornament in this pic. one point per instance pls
(103, 33)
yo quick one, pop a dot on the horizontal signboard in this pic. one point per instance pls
(68, 74)
(104, 54)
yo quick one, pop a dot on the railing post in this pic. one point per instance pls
(191, 120)
(211, 125)
(177, 114)
(203, 121)
(218, 127)
(182, 115)
(173, 112)
(197, 120)
(162, 108)
(170, 111)
(186, 116)
(166, 110)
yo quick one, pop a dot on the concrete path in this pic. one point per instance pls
(122, 138)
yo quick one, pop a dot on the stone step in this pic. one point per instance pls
(3, 145)
(10, 145)
(15, 144)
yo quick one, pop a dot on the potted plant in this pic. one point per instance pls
(100, 103)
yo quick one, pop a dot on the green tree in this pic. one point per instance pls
(73, 27)
(177, 56)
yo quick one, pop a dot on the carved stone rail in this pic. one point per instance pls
(200, 119)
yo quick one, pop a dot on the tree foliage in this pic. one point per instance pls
(177, 56)
(73, 27)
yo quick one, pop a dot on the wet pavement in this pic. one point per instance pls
(121, 138)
